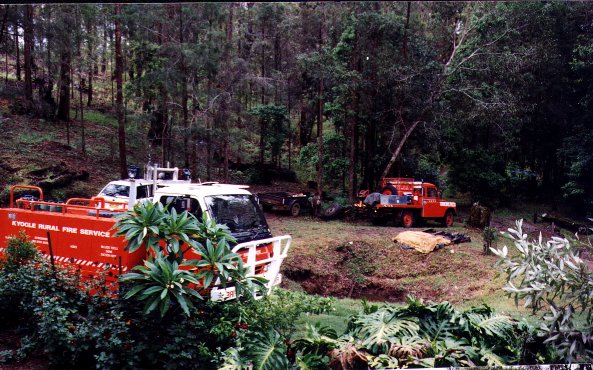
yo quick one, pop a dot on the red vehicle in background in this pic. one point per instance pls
(407, 202)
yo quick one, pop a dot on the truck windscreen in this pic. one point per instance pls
(113, 190)
(238, 212)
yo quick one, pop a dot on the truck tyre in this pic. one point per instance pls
(389, 190)
(333, 211)
(448, 219)
(295, 209)
(408, 219)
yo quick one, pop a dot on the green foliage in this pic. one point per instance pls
(335, 165)
(159, 282)
(420, 334)
(19, 251)
(100, 118)
(480, 173)
(281, 310)
(272, 322)
(554, 281)
(167, 277)
(267, 351)
(58, 316)
(141, 227)
(273, 126)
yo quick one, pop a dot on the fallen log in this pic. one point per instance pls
(567, 223)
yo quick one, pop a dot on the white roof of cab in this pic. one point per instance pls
(203, 189)
(127, 182)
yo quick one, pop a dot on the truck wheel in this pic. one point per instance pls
(448, 219)
(333, 211)
(295, 209)
(407, 219)
(389, 190)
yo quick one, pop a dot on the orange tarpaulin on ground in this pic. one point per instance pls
(421, 241)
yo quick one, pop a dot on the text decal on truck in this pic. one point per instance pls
(66, 229)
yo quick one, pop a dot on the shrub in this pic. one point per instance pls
(19, 251)
(554, 281)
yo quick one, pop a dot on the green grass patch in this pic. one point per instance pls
(96, 117)
(32, 137)
(337, 319)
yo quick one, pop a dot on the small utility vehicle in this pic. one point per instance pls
(407, 202)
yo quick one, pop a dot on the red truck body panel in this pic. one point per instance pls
(80, 234)
(76, 239)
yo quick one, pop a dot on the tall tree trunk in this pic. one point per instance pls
(262, 123)
(353, 128)
(28, 27)
(82, 128)
(353, 131)
(320, 120)
(89, 95)
(64, 103)
(320, 140)
(184, 94)
(112, 72)
(91, 29)
(395, 154)
(18, 50)
(3, 26)
(228, 88)
(119, 68)
(209, 132)
(406, 30)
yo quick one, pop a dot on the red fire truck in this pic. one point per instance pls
(407, 202)
(80, 232)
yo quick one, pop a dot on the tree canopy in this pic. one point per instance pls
(489, 98)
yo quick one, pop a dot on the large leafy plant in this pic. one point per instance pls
(418, 335)
(168, 278)
(552, 279)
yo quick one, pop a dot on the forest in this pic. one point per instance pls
(484, 98)
(490, 101)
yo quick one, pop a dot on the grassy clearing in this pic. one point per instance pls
(460, 273)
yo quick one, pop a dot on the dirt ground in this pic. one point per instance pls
(355, 259)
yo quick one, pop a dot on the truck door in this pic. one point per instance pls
(430, 204)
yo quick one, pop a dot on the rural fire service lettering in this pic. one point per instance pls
(66, 229)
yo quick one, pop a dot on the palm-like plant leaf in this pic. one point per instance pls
(491, 359)
(377, 329)
(268, 352)
(318, 339)
(493, 325)
(438, 330)
(310, 361)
